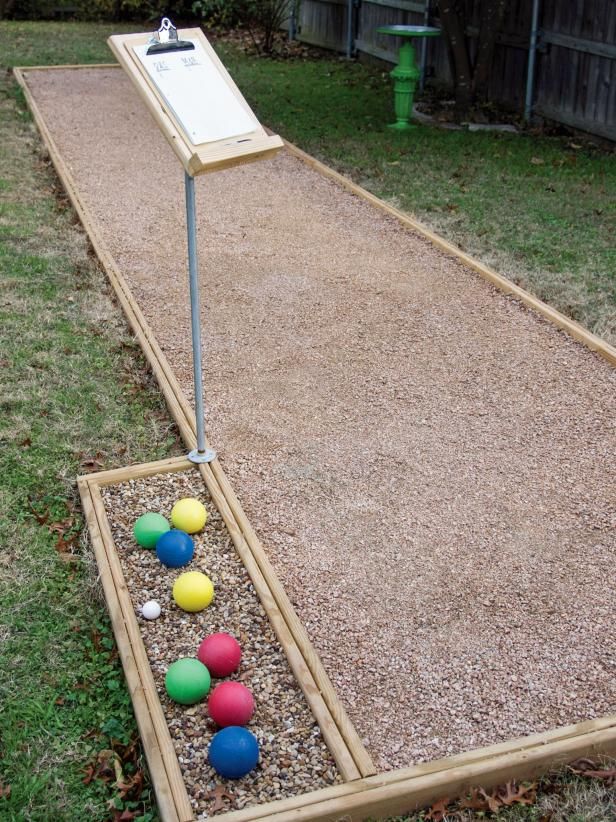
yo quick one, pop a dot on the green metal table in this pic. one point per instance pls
(406, 73)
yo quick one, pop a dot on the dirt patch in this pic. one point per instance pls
(429, 464)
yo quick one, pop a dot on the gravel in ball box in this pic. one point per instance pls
(294, 757)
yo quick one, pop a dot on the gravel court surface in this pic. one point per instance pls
(294, 758)
(429, 465)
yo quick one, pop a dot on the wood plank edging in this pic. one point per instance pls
(555, 317)
(184, 417)
(360, 754)
(161, 729)
(387, 795)
(144, 469)
(573, 328)
(396, 791)
(151, 744)
(266, 586)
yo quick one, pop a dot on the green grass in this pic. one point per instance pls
(74, 390)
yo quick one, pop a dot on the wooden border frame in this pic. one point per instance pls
(372, 795)
(375, 796)
(162, 760)
(557, 318)
(573, 328)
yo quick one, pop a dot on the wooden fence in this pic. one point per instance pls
(575, 75)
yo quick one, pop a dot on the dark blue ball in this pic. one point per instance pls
(175, 548)
(234, 752)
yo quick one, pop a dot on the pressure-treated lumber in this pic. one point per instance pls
(594, 737)
(331, 734)
(378, 797)
(144, 469)
(170, 760)
(399, 790)
(267, 586)
(184, 417)
(577, 331)
(361, 756)
(162, 788)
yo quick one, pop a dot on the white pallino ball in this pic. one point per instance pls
(150, 610)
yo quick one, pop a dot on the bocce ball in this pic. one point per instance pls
(189, 515)
(233, 752)
(175, 548)
(150, 610)
(231, 703)
(148, 528)
(221, 654)
(193, 592)
(187, 681)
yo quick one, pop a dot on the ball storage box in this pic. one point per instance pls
(305, 742)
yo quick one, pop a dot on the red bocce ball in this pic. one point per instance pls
(231, 703)
(220, 653)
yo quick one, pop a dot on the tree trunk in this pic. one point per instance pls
(453, 22)
(492, 15)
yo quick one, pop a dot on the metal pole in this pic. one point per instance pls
(350, 48)
(532, 52)
(201, 453)
(293, 21)
(424, 49)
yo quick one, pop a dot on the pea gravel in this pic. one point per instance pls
(294, 758)
(430, 466)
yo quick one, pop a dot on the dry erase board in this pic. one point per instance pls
(197, 94)
(195, 103)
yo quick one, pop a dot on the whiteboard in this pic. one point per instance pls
(197, 94)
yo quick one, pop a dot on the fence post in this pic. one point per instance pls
(532, 53)
(424, 49)
(350, 47)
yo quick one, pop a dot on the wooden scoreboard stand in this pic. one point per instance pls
(207, 123)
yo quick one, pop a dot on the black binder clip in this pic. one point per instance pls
(168, 39)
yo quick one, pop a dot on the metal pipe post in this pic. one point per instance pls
(424, 49)
(201, 453)
(532, 52)
(350, 44)
(293, 21)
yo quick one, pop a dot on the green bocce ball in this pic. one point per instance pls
(187, 681)
(148, 528)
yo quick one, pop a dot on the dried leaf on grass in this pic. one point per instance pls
(66, 530)
(118, 766)
(590, 769)
(503, 796)
(89, 463)
(513, 794)
(438, 811)
(125, 815)
(5, 791)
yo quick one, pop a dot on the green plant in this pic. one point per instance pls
(220, 14)
(267, 17)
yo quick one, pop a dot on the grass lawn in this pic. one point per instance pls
(75, 394)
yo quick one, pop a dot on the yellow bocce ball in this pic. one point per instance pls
(193, 591)
(188, 515)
